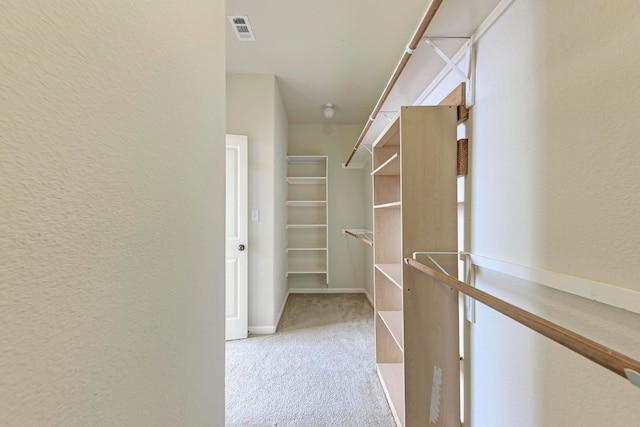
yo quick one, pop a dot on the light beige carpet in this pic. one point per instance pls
(317, 370)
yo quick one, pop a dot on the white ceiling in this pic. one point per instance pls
(339, 51)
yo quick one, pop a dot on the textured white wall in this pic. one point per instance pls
(111, 228)
(553, 186)
(281, 139)
(346, 198)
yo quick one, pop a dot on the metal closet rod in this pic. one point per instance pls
(413, 44)
(612, 360)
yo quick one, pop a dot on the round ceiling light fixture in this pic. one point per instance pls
(328, 112)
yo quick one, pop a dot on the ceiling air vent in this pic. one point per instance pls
(242, 28)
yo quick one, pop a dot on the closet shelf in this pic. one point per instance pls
(393, 322)
(392, 272)
(306, 249)
(390, 135)
(392, 379)
(391, 166)
(306, 202)
(307, 180)
(318, 271)
(291, 226)
(388, 205)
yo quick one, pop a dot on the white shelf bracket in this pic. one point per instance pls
(452, 65)
(633, 377)
(469, 277)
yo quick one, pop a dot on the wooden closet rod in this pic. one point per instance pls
(604, 356)
(413, 44)
(362, 239)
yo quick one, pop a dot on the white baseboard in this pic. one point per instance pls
(366, 294)
(284, 303)
(267, 330)
(262, 330)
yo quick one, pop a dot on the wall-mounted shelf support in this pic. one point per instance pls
(468, 274)
(449, 61)
(365, 236)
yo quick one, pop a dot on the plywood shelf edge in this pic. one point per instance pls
(391, 166)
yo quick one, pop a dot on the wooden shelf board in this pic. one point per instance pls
(388, 205)
(392, 271)
(390, 135)
(307, 180)
(391, 166)
(392, 379)
(393, 321)
(289, 226)
(306, 249)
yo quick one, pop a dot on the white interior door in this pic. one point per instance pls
(236, 238)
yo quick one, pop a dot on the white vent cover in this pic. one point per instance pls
(242, 28)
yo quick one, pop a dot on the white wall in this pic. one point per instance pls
(553, 185)
(254, 109)
(111, 237)
(346, 197)
(281, 139)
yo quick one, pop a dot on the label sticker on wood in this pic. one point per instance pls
(436, 385)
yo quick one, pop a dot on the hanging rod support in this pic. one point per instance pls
(608, 358)
(452, 65)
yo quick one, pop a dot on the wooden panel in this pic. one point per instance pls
(393, 321)
(392, 378)
(386, 189)
(387, 350)
(458, 99)
(390, 135)
(392, 272)
(429, 223)
(386, 229)
(383, 154)
(388, 295)
(391, 166)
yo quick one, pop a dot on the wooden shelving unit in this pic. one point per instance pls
(307, 250)
(414, 197)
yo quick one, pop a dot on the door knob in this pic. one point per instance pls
(241, 248)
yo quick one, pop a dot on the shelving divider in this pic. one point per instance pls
(414, 194)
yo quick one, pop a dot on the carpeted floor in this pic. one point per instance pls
(317, 370)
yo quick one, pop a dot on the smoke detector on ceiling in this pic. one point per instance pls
(242, 28)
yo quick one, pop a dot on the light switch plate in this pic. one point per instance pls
(255, 215)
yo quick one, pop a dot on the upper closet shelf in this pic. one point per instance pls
(307, 180)
(390, 135)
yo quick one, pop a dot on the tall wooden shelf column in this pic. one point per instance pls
(414, 197)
